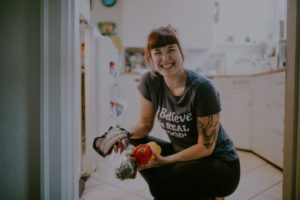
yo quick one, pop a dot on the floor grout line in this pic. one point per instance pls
(254, 168)
(265, 190)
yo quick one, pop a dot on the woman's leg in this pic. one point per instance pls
(202, 179)
(152, 175)
(208, 176)
(205, 178)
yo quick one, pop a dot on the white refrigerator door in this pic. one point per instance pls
(105, 53)
(99, 52)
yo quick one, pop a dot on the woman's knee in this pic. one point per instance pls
(160, 186)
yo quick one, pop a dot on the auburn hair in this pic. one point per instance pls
(160, 37)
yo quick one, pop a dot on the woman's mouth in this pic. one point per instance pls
(167, 66)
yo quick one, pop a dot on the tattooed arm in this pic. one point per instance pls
(208, 128)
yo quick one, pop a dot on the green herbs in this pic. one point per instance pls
(127, 170)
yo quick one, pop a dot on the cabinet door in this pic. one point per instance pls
(224, 89)
(192, 19)
(268, 118)
(240, 106)
(236, 103)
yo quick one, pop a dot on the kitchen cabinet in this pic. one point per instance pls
(268, 117)
(223, 86)
(236, 103)
(240, 115)
(192, 19)
(253, 113)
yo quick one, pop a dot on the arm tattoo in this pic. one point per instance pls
(209, 130)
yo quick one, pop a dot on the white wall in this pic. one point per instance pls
(270, 11)
(101, 13)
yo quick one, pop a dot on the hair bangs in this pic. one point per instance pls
(161, 38)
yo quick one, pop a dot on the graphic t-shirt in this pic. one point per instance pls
(177, 115)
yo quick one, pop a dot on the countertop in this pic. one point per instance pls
(247, 75)
(224, 76)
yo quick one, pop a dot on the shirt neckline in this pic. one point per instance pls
(180, 97)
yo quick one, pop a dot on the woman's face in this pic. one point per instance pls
(167, 60)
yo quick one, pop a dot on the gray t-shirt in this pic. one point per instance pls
(177, 115)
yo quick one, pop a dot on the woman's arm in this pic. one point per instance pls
(208, 128)
(146, 121)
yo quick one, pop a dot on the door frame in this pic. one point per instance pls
(291, 167)
(60, 100)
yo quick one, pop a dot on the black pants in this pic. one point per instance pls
(204, 178)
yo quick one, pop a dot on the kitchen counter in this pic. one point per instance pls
(246, 75)
(223, 76)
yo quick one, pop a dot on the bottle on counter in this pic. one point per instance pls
(281, 56)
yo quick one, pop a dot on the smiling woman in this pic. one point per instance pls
(200, 162)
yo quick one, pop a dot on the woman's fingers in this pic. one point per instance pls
(116, 148)
(156, 155)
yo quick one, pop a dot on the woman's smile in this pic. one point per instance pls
(168, 66)
(167, 60)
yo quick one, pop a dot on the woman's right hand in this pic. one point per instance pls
(116, 147)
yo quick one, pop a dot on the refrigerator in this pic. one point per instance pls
(100, 89)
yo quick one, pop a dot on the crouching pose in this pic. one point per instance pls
(201, 161)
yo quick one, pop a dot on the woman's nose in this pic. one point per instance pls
(164, 57)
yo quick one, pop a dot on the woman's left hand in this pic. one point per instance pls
(157, 162)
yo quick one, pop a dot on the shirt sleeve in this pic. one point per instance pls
(207, 100)
(144, 86)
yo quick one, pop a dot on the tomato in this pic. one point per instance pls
(142, 153)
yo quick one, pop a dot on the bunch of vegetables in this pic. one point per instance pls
(143, 152)
(128, 167)
(140, 155)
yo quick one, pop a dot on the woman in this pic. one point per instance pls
(201, 161)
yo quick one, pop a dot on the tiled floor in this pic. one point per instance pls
(259, 181)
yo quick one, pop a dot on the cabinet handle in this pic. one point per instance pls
(137, 80)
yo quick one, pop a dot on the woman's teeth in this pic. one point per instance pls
(167, 66)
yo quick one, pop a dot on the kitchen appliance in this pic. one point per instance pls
(100, 53)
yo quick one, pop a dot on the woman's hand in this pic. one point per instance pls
(159, 161)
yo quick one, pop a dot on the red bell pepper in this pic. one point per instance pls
(142, 153)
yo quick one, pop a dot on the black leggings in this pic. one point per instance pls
(205, 178)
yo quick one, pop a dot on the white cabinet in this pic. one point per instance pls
(223, 86)
(268, 117)
(192, 18)
(240, 113)
(253, 113)
(236, 103)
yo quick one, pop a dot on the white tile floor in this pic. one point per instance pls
(259, 181)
